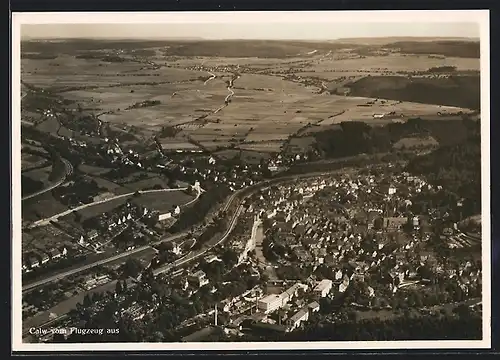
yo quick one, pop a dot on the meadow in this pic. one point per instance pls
(160, 201)
(279, 92)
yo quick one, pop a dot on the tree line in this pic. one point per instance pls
(457, 168)
(196, 214)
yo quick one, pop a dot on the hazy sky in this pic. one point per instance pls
(276, 30)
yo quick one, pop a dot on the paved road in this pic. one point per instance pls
(110, 259)
(46, 221)
(213, 76)
(98, 263)
(198, 193)
(190, 256)
(69, 171)
(197, 254)
(231, 93)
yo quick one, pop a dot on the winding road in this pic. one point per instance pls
(213, 76)
(114, 257)
(191, 256)
(68, 172)
(194, 255)
(230, 95)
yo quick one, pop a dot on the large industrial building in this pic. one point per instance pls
(270, 303)
(323, 288)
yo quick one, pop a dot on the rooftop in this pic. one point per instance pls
(270, 298)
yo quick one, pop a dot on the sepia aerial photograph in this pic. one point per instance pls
(198, 179)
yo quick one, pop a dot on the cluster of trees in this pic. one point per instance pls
(196, 214)
(57, 145)
(45, 298)
(216, 228)
(119, 172)
(458, 169)
(355, 137)
(229, 280)
(271, 246)
(165, 255)
(352, 138)
(58, 167)
(291, 272)
(360, 160)
(144, 104)
(460, 91)
(81, 191)
(168, 131)
(461, 326)
(172, 308)
(38, 102)
(129, 238)
(29, 185)
(53, 266)
(80, 123)
(441, 69)
(121, 287)
(450, 48)
(131, 268)
(114, 59)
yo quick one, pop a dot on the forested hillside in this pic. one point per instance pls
(455, 167)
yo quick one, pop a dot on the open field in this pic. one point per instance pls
(92, 74)
(391, 63)
(411, 142)
(146, 184)
(41, 206)
(109, 185)
(264, 147)
(41, 174)
(177, 143)
(448, 46)
(248, 155)
(160, 201)
(30, 160)
(98, 209)
(50, 125)
(189, 103)
(267, 107)
(163, 201)
(350, 108)
(255, 156)
(300, 144)
(93, 170)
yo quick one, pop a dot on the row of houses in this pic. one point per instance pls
(38, 259)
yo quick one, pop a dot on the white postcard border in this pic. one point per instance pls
(442, 16)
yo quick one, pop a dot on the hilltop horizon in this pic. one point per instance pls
(189, 38)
